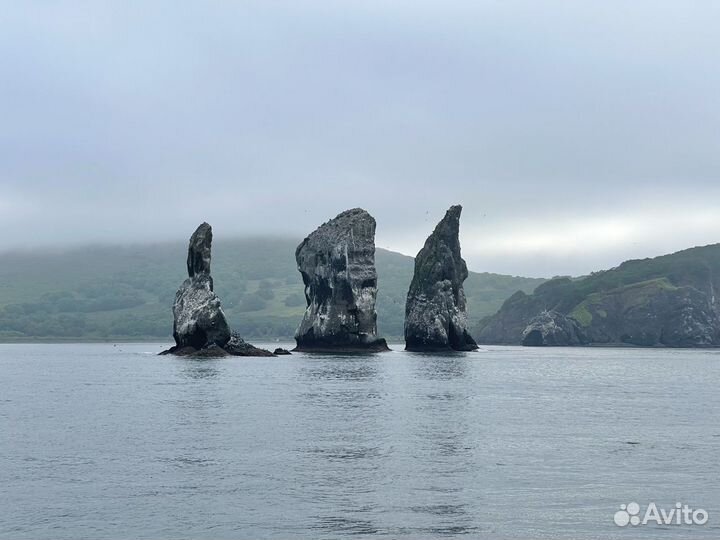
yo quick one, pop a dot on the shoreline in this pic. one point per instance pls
(398, 344)
(62, 341)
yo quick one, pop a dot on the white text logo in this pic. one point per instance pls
(680, 514)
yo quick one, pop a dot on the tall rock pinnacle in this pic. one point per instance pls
(337, 263)
(198, 259)
(200, 328)
(199, 318)
(435, 313)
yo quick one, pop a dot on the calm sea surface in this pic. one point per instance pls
(105, 441)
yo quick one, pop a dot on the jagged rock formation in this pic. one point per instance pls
(668, 301)
(199, 318)
(337, 264)
(553, 329)
(435, 312)
(200, 327)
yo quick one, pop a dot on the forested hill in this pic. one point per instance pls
(112, 292)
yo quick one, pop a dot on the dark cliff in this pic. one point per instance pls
(665, 301)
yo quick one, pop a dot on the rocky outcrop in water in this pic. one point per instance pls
(435, 312)
(552, 329)
(337, 264)
(237, 346)
(200, 327)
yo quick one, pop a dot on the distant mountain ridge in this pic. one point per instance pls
(127, 292)
(664, 301)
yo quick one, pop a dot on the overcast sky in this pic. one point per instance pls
(575, 134)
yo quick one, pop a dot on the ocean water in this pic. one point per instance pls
(112, 441)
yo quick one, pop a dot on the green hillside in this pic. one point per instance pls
(126, 292)
(663, 301)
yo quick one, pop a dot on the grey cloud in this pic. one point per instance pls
(137, 120)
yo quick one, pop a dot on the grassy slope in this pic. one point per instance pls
(698, 267)
(127, 292)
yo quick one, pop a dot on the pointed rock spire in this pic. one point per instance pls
(435, 311)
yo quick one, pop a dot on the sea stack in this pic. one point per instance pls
(200, 327)
(435, 312)
(199, 318)
(337, 263)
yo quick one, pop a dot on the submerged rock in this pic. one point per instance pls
(435, 311)
(337, 263)
(200, 327)
(551, 328)
(280, 351)
(212, 351)
(237, 346)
